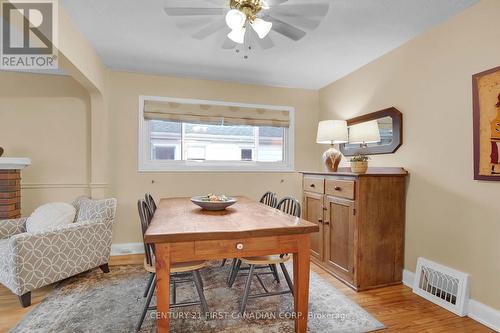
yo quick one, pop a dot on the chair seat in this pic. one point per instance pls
(178, 267)
(266, 260)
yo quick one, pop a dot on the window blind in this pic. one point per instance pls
(215, 114)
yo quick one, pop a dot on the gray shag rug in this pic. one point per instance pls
(96, 302)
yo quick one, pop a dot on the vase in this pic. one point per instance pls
(332, 158)
(359, 167)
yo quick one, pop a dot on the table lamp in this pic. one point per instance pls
(332, 132)
(364, 133)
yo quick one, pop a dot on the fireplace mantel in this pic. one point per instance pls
(14, 163)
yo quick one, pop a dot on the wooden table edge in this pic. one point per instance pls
(196, 236)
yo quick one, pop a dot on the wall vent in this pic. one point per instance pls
(442, 285)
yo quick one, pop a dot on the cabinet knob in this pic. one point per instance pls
(337, 188)
(239, 246)
(312, 185)
(320, 221)
(327, 223)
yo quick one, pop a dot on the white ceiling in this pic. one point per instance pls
(132, 35)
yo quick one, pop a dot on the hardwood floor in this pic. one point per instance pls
(396, 307)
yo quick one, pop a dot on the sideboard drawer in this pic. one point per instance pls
(314, 184)
(340, 188)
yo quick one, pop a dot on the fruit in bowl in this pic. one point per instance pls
(215, 198)
(213, 202)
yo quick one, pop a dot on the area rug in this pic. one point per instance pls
(96, 302)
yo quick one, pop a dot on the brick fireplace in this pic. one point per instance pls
(10, 186)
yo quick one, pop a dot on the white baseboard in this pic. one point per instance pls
(478, 311)
(484, 314)
(126, 249)
(408, 278)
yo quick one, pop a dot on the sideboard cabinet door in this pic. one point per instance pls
(339, 237)
(313, 212)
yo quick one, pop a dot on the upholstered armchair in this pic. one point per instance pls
(32, 260)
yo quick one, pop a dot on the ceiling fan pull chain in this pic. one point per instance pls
(246, 44)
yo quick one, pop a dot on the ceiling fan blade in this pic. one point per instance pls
(192, 23)
(218, 2)
(304, 22)
(271, 3)
(286, 29)
(301, 10)
(265, 43)
(228, 44)
(184, 11)
(209, 30)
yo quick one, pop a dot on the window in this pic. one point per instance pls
(192, 135)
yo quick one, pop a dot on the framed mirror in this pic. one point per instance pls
(390, 123)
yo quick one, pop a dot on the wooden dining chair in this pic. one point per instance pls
(180, 272)
(269, 199)
(150, 202)
(289, 206)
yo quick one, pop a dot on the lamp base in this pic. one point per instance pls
(332, 158)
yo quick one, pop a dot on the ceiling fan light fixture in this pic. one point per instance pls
(237, 35)
(235, 19)
(261, 27)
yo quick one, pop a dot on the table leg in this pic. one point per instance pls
(301, 267)
(162, 257)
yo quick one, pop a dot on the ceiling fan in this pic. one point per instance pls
(249, 22)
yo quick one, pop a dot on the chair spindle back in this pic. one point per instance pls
(289, 205)
(270, 199)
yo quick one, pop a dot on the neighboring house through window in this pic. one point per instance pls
(184, 135)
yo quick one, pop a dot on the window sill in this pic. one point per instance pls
(214, 168)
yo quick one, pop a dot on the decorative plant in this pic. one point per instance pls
(360, 157)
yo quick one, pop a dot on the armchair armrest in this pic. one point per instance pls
(47, 257)
(12, 227)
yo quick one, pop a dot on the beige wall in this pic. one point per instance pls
(46, 118)
(129, 185)
(450, 217)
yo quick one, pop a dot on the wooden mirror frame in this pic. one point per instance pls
(397, 132)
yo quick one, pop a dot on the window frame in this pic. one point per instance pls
(147, 165)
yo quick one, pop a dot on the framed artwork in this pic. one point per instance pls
(486, 96)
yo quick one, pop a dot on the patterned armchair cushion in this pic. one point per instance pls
(102, 210)
(78, 202)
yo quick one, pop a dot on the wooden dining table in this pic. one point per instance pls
(183, 232)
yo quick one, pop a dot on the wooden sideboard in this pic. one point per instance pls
(362, 222)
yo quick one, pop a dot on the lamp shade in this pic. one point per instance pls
(332, 131)
(367, 132)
